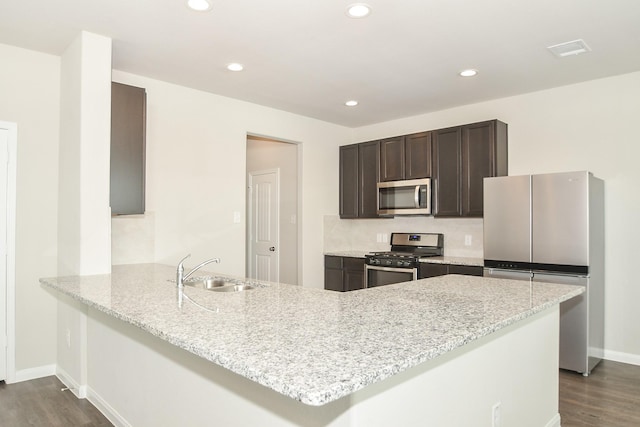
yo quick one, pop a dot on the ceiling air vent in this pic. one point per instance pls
(575, 47)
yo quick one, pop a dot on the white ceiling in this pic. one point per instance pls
(308, 57)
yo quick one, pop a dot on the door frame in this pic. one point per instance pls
(251, 211)
(12, 145)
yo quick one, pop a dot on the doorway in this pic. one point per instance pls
(8, 146)
(272, 171)
(263, 226)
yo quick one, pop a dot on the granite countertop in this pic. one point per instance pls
(475, 262)
(312, 345)
(351, 254)
(478, 262)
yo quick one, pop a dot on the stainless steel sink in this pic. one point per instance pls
(217, 284)
(233, 288)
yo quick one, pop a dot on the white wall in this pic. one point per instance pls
(196, 174)
(30, 88)
(587, 126)
(263, 155)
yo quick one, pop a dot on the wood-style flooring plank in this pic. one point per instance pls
(610, 396)
(41, 403)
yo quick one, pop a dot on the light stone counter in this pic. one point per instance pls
(312, 345)
(477, 262)
(351, 254)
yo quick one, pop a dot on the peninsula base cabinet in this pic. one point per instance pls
(343, 273)
(126, 371)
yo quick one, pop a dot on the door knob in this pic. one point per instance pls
(272, 248)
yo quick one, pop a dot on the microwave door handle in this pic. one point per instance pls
(416, 197)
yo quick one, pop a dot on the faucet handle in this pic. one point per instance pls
(180, 264)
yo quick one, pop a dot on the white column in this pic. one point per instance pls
(84, 216)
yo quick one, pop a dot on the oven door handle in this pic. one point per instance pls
(368, 267)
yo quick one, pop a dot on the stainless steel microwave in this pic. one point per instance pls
(408, 197)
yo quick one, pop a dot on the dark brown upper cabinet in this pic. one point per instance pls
(392, 159)
(447, 154)
(359, 179)
(128, 141)
(349, 188)
(405, 157)
(484, 154)
(463, 157)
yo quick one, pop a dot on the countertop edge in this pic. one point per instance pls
(454, 260)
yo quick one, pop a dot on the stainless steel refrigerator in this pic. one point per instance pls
(550, 228)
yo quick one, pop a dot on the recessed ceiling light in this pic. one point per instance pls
(234, 66)
(358, 10)
(199, 5)
(351, 103)
(468, 73)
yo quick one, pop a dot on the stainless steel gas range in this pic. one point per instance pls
(402, 262)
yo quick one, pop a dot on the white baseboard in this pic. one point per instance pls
(618, 356)
(34, 373)
(112, 415)
(80, 391)
(554, 422)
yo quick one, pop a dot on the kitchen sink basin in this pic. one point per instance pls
(217, 284)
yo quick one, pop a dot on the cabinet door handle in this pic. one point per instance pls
(272, 248)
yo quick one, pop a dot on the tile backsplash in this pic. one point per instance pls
(132, 239)
(462, 236)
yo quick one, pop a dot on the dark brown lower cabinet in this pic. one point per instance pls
(432, 270)
(343, 273)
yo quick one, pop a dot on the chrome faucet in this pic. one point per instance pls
(181, 277)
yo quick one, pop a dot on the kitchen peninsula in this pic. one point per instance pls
(442, 350)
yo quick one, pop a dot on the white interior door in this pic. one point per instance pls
(264, 190)
(4, 161)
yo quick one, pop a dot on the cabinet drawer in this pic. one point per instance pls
(467, 270)
(333, 262)
(432, 270)
(353, 263)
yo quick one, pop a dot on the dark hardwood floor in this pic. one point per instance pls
(41, 403)
(609, 397)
